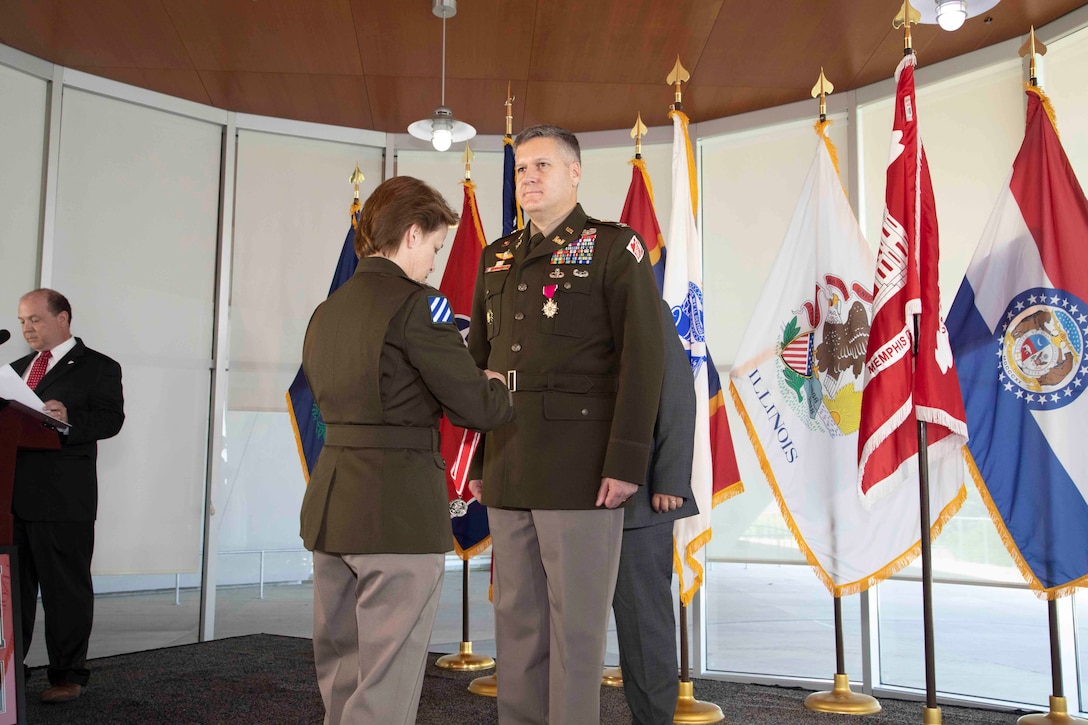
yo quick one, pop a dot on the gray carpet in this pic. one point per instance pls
(270, 679)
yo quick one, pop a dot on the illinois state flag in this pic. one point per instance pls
(683, 291)
(797, 385)
(1019, 326)
(306, 422)
(468, 516)
(901, 388)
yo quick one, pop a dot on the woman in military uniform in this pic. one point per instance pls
(384, 360)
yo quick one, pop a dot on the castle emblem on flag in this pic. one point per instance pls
(1043, 353)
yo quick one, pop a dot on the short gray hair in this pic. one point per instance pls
(565, 138)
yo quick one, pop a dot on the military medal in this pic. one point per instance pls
(551, 307)
(458, 508)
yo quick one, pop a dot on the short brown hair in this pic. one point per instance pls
(393, 208)
(55, 302)
(565, 138)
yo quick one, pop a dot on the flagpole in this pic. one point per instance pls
(465, 660)
(840, 699)
(688, 709)
(613, 676)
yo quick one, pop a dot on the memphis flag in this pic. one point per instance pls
(1019, 327)
(797, 385)
(467, 515)
(714, 476)
(902, 388)
(306, 420)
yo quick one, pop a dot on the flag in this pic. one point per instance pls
(683, 291)
(467, 515)
(306, 419)
(638, 213)
(511, 210)
(1019, 327)
(797, 385)
(900, 388)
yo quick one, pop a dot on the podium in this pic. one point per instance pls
(21, 429)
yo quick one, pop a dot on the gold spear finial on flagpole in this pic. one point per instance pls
(1034, 47)
(467, 157)
(822, 89)
(637, 132)
(907, 15)
(509, 109)
(356, 178)
(678, 75)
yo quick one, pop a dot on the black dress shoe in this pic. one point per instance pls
(62, 692)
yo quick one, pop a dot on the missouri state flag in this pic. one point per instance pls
(797, 385)
(306, 422)
(1018, 327)
(468, 516)
(903, 388)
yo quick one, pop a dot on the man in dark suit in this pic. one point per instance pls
(645, 624)
(55, 497)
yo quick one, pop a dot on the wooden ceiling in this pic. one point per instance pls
(584, 64)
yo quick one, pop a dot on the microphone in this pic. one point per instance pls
(4, 336)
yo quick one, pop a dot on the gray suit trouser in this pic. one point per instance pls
(646, 624)
(373, 615)
(555, 573)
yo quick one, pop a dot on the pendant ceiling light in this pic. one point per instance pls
(441, 129)
(951, 14)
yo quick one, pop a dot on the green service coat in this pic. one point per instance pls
(384, 358)
(578, 321)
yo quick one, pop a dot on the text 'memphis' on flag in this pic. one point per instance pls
(1019, 327)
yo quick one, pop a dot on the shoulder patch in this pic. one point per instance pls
(441, 312)
(636, 250)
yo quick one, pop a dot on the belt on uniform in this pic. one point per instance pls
(520, 382)
(381, 436)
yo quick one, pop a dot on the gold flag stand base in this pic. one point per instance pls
(612, 677)
(1059, 713)
(465, 661)
(690, 710)
(487, 686)
(931, 716)
(841, 700)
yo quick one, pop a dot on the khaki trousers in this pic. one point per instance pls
(373, 615)
(555, 573)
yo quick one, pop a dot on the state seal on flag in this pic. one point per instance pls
(1042, 348)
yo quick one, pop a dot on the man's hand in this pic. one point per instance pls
(476, 487)
(56, 409)
(614, 492)
(492, 375)
(663, 502)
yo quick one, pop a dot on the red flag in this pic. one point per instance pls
(638, 213)
(468, 517)
(901, 389)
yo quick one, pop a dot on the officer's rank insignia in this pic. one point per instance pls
(635, 249)
(569, 230)
(557, 239)
(581, 273)
(440, 310)
(551, 307)
(556, 273)
(580, 251)
(458, 508)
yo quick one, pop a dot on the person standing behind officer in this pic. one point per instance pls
(569, 307)
(384, 359)
(643, 603)
(55, 496)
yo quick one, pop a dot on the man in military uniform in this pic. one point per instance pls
(569, 308)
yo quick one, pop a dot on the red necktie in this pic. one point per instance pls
(37, 370)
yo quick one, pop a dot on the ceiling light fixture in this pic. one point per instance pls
(951, 14)
(441, 129)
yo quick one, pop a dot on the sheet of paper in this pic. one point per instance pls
(12, 387)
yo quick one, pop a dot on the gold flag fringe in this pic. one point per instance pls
(298, 436)
(472, 551)
(692, 179)
(838, 590)
(1047, 106)
(355, 207)
(640, 164)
